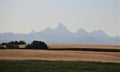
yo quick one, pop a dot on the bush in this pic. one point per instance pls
(37, 45)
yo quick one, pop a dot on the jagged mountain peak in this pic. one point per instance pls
(48, 29)
(61, 27)
(81, 30)
(98, 32)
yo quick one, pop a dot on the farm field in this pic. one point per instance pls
(84, 46)
(56, 59)
(61, 55)
(56, 66)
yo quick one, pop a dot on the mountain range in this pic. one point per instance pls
(61, 35)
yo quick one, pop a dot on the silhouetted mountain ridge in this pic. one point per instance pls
(62, 35)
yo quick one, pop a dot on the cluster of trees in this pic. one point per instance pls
(16, 44)
(37, 45)
(12, 44)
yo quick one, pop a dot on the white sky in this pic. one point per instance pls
(23, 16)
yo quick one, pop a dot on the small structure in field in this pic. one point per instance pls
(22, 46)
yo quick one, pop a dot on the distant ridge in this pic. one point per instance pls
(61, 35)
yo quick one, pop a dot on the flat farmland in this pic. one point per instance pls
(59, 55)
(84, 46)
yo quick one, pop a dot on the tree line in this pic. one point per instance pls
(16, 45)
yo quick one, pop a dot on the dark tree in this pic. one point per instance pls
(22, 42)
(3, 43)
(29, 46)
(13, 43)
(37, 45)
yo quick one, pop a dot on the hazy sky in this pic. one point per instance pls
(23, 16)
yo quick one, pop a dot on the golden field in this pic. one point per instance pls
(31, 54)
(84, 46)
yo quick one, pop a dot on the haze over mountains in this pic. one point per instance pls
(61, 35)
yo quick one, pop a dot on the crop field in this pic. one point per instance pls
(84, 46)
(56, 66)
(61, 58)
(62, 55)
